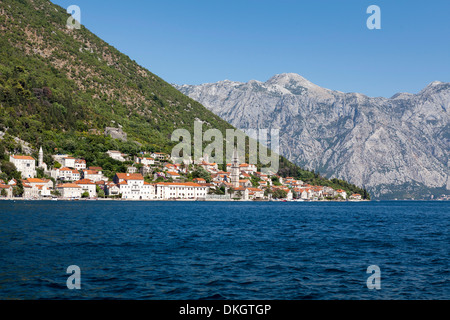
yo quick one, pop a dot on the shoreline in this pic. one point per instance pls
(213, 200)
(190, 200)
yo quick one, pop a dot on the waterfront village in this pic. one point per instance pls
(156, 176)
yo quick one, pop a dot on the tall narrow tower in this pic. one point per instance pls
(41, 158)
(235, 172)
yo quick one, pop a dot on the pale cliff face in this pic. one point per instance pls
(386, 145)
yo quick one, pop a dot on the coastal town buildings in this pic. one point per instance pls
(158, 178)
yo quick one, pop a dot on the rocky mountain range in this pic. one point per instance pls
(396, 147)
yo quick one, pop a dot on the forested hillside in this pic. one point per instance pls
(60, 89)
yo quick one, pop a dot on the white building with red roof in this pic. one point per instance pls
(94, 173)
(172, 174)
(342, 193)
(200, 180)
(117, 155)
(70, 190)
(88, 186)
(133, 187)
(25, 164)
(38, 187)
(8, 190)
(179, 190)
(111, 189)
(67, 174)
(80, 164)
(69, 162)
(146, 161)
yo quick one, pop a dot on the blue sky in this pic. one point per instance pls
(327, 42)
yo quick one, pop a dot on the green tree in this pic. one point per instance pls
(10, 170)
(201, 173)
(56, 193)
(85, 194)
(18, 189)
(101, 193)
(275, 181)
(40, 173)
(279, 194)
(255, 181)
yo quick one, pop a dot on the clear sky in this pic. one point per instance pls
(327, 42)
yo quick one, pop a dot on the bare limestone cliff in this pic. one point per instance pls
(396, 147)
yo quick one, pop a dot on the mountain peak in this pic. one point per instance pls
(288, 79)
(434, 83)
(295, 84)
(435, 86)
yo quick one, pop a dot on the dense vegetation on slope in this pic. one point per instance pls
(60, 89)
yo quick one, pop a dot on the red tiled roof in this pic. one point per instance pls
(185, 184)
(69, 185)
(35, 180)
(85, 181)
(254, 189)
(23, 157)
(68, 169)
(130, 176)
(90, 171)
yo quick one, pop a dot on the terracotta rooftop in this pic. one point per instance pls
(23, 157)
(130, 176)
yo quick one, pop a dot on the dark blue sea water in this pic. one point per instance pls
(221, 250)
